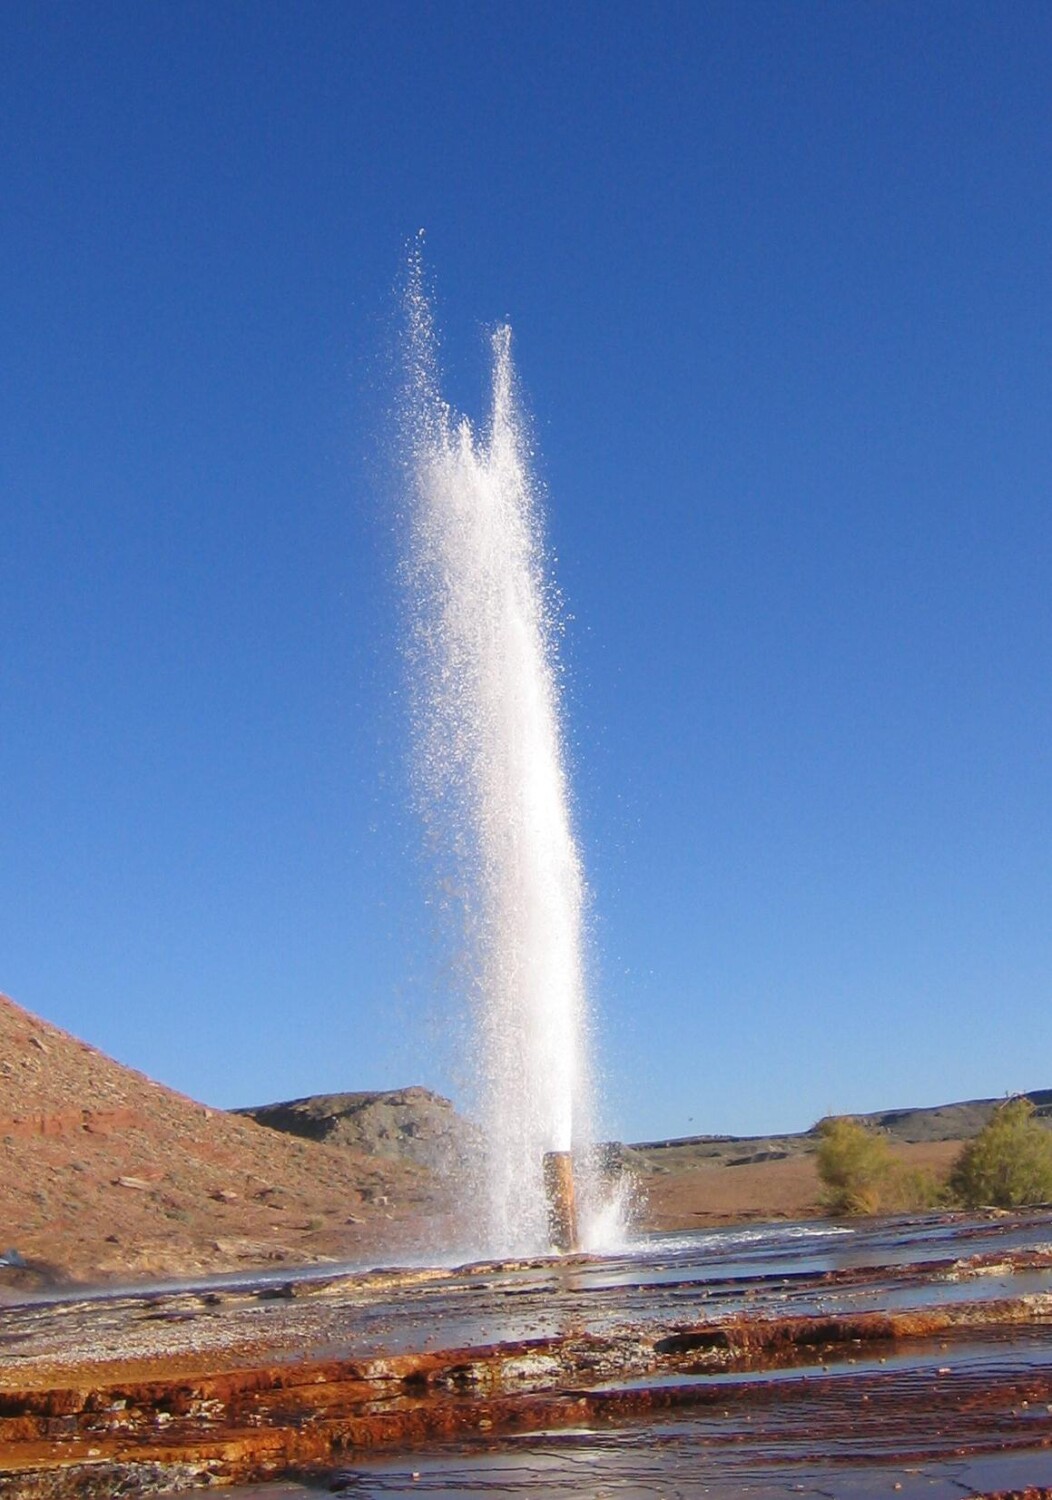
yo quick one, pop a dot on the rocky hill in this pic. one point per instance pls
(918, 1126)
(951, 1122)
(410, 1124)
(712, 1180)
(104, 1173)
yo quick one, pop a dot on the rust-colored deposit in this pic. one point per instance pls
(223, 1384)
(274, 1418)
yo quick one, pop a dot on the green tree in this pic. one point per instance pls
(855, 1165)
(1008, 1163)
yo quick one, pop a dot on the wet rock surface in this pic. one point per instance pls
(708, 1364)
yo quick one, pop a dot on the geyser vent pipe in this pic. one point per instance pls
(562, 1203)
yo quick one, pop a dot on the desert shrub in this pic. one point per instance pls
(855, 1166)
(912, 1189)
(860, 1175)
(1008, 1163)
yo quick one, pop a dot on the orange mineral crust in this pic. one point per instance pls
(787, 1357)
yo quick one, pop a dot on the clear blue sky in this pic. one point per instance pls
(780, 276)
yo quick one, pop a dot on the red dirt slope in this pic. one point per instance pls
(105, 1173)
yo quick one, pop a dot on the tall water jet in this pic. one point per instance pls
(491, 774)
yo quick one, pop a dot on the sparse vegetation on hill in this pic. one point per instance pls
(1008, 1164)
(105, 1173)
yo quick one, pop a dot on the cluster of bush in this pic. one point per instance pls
(1008, 1164)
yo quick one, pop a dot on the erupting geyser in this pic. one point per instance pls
(492, 779)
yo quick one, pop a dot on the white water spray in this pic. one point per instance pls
(492, 778)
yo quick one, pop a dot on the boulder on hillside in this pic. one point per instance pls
(411, 1124)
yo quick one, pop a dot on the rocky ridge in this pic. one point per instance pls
(411, 1124)
(713, 1180)
(923, 1125)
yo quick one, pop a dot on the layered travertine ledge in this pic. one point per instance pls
(220, 1384)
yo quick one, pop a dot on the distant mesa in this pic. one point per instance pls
(927, 1125)
(412, 1124)
(946, 1122)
